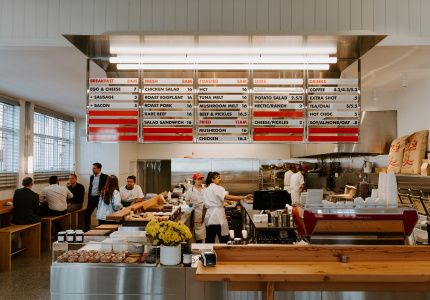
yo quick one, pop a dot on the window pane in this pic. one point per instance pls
(9, 137)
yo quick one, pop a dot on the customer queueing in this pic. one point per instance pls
(287, 178)
(26, 208)
(130, 192)
(194, 195)
(215, 218)
(298, 184)
(110, 200)
(97, 182)
(78, 192)
(56, 197)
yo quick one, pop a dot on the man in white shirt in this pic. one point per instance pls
(287, 177)
(130, 192)
(55, 196)
(297, 184)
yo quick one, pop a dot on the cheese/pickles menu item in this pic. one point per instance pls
(278, 110)
(223, 110)
(112, 112)
(333, 110)
(167, 110)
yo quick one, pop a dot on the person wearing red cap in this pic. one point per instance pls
(194, 195)
(297, 184)
(287, 177)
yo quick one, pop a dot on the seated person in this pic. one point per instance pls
(25, 204)
(78, 192)
(56, 198)
(130, 192)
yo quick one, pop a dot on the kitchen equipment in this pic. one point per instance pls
(367, 167)
(208, 258)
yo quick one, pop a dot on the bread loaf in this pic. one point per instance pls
(415, 152)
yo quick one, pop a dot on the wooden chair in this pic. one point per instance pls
(30, 236)
(47, 238)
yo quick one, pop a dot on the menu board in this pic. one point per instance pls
(223, 110)
(278, 110)
(167, 110)
(333, 110)
(112, 112)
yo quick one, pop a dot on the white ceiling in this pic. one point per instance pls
(54, 77)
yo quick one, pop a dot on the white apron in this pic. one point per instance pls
(196, 198)
(215, 216)
(213, 198)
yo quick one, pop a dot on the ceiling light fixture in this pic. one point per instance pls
(223, 66)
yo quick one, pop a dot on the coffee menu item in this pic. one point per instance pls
(167, 110)
(112, 112)
(278, 110)
(223, 110)
(333, 110)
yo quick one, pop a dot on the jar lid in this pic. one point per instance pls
(61, 232)
(237, 239)
(70, 231)
(79, 231)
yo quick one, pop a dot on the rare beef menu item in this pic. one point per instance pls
(333, 110)
(223, 110)
(112, 112)
(278, 114)
(167, 110)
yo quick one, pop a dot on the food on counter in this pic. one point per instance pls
(395, 157)
(94, 256)
(415, 151)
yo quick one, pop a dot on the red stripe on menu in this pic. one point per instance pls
(167, 130)
(113, 113)
(279, 114)
(277, 138)
(352, 130)
(167, 138)
(258, 130)
(112, 138)
(113, 121)
(112, 129)
(323, 138)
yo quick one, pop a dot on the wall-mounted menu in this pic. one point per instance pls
(333, 110)
(167, 110)
(112, 112)
(223, 110)
(278, 110)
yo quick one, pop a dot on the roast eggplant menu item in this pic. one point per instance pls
(112, 110)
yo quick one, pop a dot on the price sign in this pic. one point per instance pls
(222, 89)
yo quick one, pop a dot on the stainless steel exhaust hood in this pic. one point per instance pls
(377, 130)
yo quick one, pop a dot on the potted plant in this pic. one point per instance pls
(169, 235)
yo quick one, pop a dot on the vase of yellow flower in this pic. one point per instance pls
(169, 235)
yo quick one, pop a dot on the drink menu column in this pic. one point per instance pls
(112, 112)
(223, 110)
(167, 110)
(278, 110)
(333, 110)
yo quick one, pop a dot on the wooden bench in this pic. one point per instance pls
(30, 236)
(5, 213)
(47, 238)
(78, 218)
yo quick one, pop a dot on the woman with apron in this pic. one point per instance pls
(214, 215)
(194, 195)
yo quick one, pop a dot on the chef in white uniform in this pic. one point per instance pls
(297, 184)
(215, 219)
(287, 178)
(194, 195)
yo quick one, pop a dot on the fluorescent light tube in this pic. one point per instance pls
(223, 66)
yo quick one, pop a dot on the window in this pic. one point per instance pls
(52, 146)
(9, 144)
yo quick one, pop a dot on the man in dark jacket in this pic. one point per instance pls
(97, 182)
(26, 204)
(78, 191)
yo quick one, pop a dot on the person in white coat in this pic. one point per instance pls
(215, 219)
(287, 177)
(297, 184)
(194, 195)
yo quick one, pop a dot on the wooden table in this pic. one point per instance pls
(269, 268)
(5, 213)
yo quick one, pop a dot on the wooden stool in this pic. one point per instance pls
(78, 219)
(30, 236)
(47, 239)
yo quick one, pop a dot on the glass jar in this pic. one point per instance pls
(70, 236)
(61, 236)
(79, 236)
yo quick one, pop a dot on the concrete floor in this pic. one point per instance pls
(29, 278)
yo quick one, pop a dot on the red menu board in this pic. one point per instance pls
(112, 112)
(333, 110)
(278, 110)
(167, 110)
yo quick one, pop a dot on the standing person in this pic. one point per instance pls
(26, 208)
(97, 182)
(287, 177)
(110, 200)
(56, 197)
(130, 192)
(78, 192)
(195, 196)
(297, 184)
(215, 218)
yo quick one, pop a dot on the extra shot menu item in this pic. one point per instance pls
(278, 110)
(333, 110)
(167, 110)
(112, 112)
